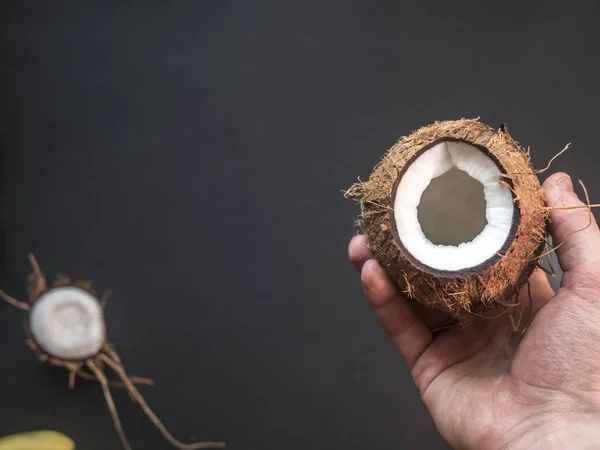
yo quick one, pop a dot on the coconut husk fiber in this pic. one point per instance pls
(475, 290)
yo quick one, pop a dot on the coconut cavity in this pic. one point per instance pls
(451, 210)
(455, 215)
(68, 323)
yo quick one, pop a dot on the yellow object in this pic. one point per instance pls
(37, 440)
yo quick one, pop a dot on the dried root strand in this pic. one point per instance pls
(517, 324)
(36, 268)
(544, 269)
(86, 285)
(73, 375)
(356, 190)
(104, 299)
(109, 349)
(16, 303)
(549, 252)
(451, 323)
(552, 271)
(500, 314)
(39, 281)
(61, 280)
(119, 369)
(567, 208)
(118, 384)
(530, 318)
(553, 158)
(101, 377)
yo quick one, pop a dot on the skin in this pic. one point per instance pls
(488, 387)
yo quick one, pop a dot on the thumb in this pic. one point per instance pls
(579, 239)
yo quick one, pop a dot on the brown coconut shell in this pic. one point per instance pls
(476, 290)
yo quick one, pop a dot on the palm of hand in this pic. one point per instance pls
(487, 386)
(493, 388)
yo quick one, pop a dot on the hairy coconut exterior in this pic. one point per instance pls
(475, 290)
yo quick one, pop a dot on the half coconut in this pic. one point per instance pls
(455, 215)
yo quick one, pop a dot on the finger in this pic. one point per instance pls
(400, 322)
(575, 230)
(359, 251)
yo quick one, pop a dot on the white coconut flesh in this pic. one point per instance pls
(68, 323)
(450, 209)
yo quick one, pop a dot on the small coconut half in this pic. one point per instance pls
(455, 215)
(68, 323)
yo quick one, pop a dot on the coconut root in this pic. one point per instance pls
(120, 370)
(110, 358)
(101, 377)
(72, 376)
(16, 303)
(549, 260)
(552, 159)
(517, 324)
(118, 384)
(37, 282)
(104, 299)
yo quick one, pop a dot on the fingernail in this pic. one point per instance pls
(564, 183)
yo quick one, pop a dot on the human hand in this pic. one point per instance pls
(488, 387)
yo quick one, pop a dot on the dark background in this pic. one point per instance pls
(190, 156)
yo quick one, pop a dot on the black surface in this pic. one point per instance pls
(189, 155)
